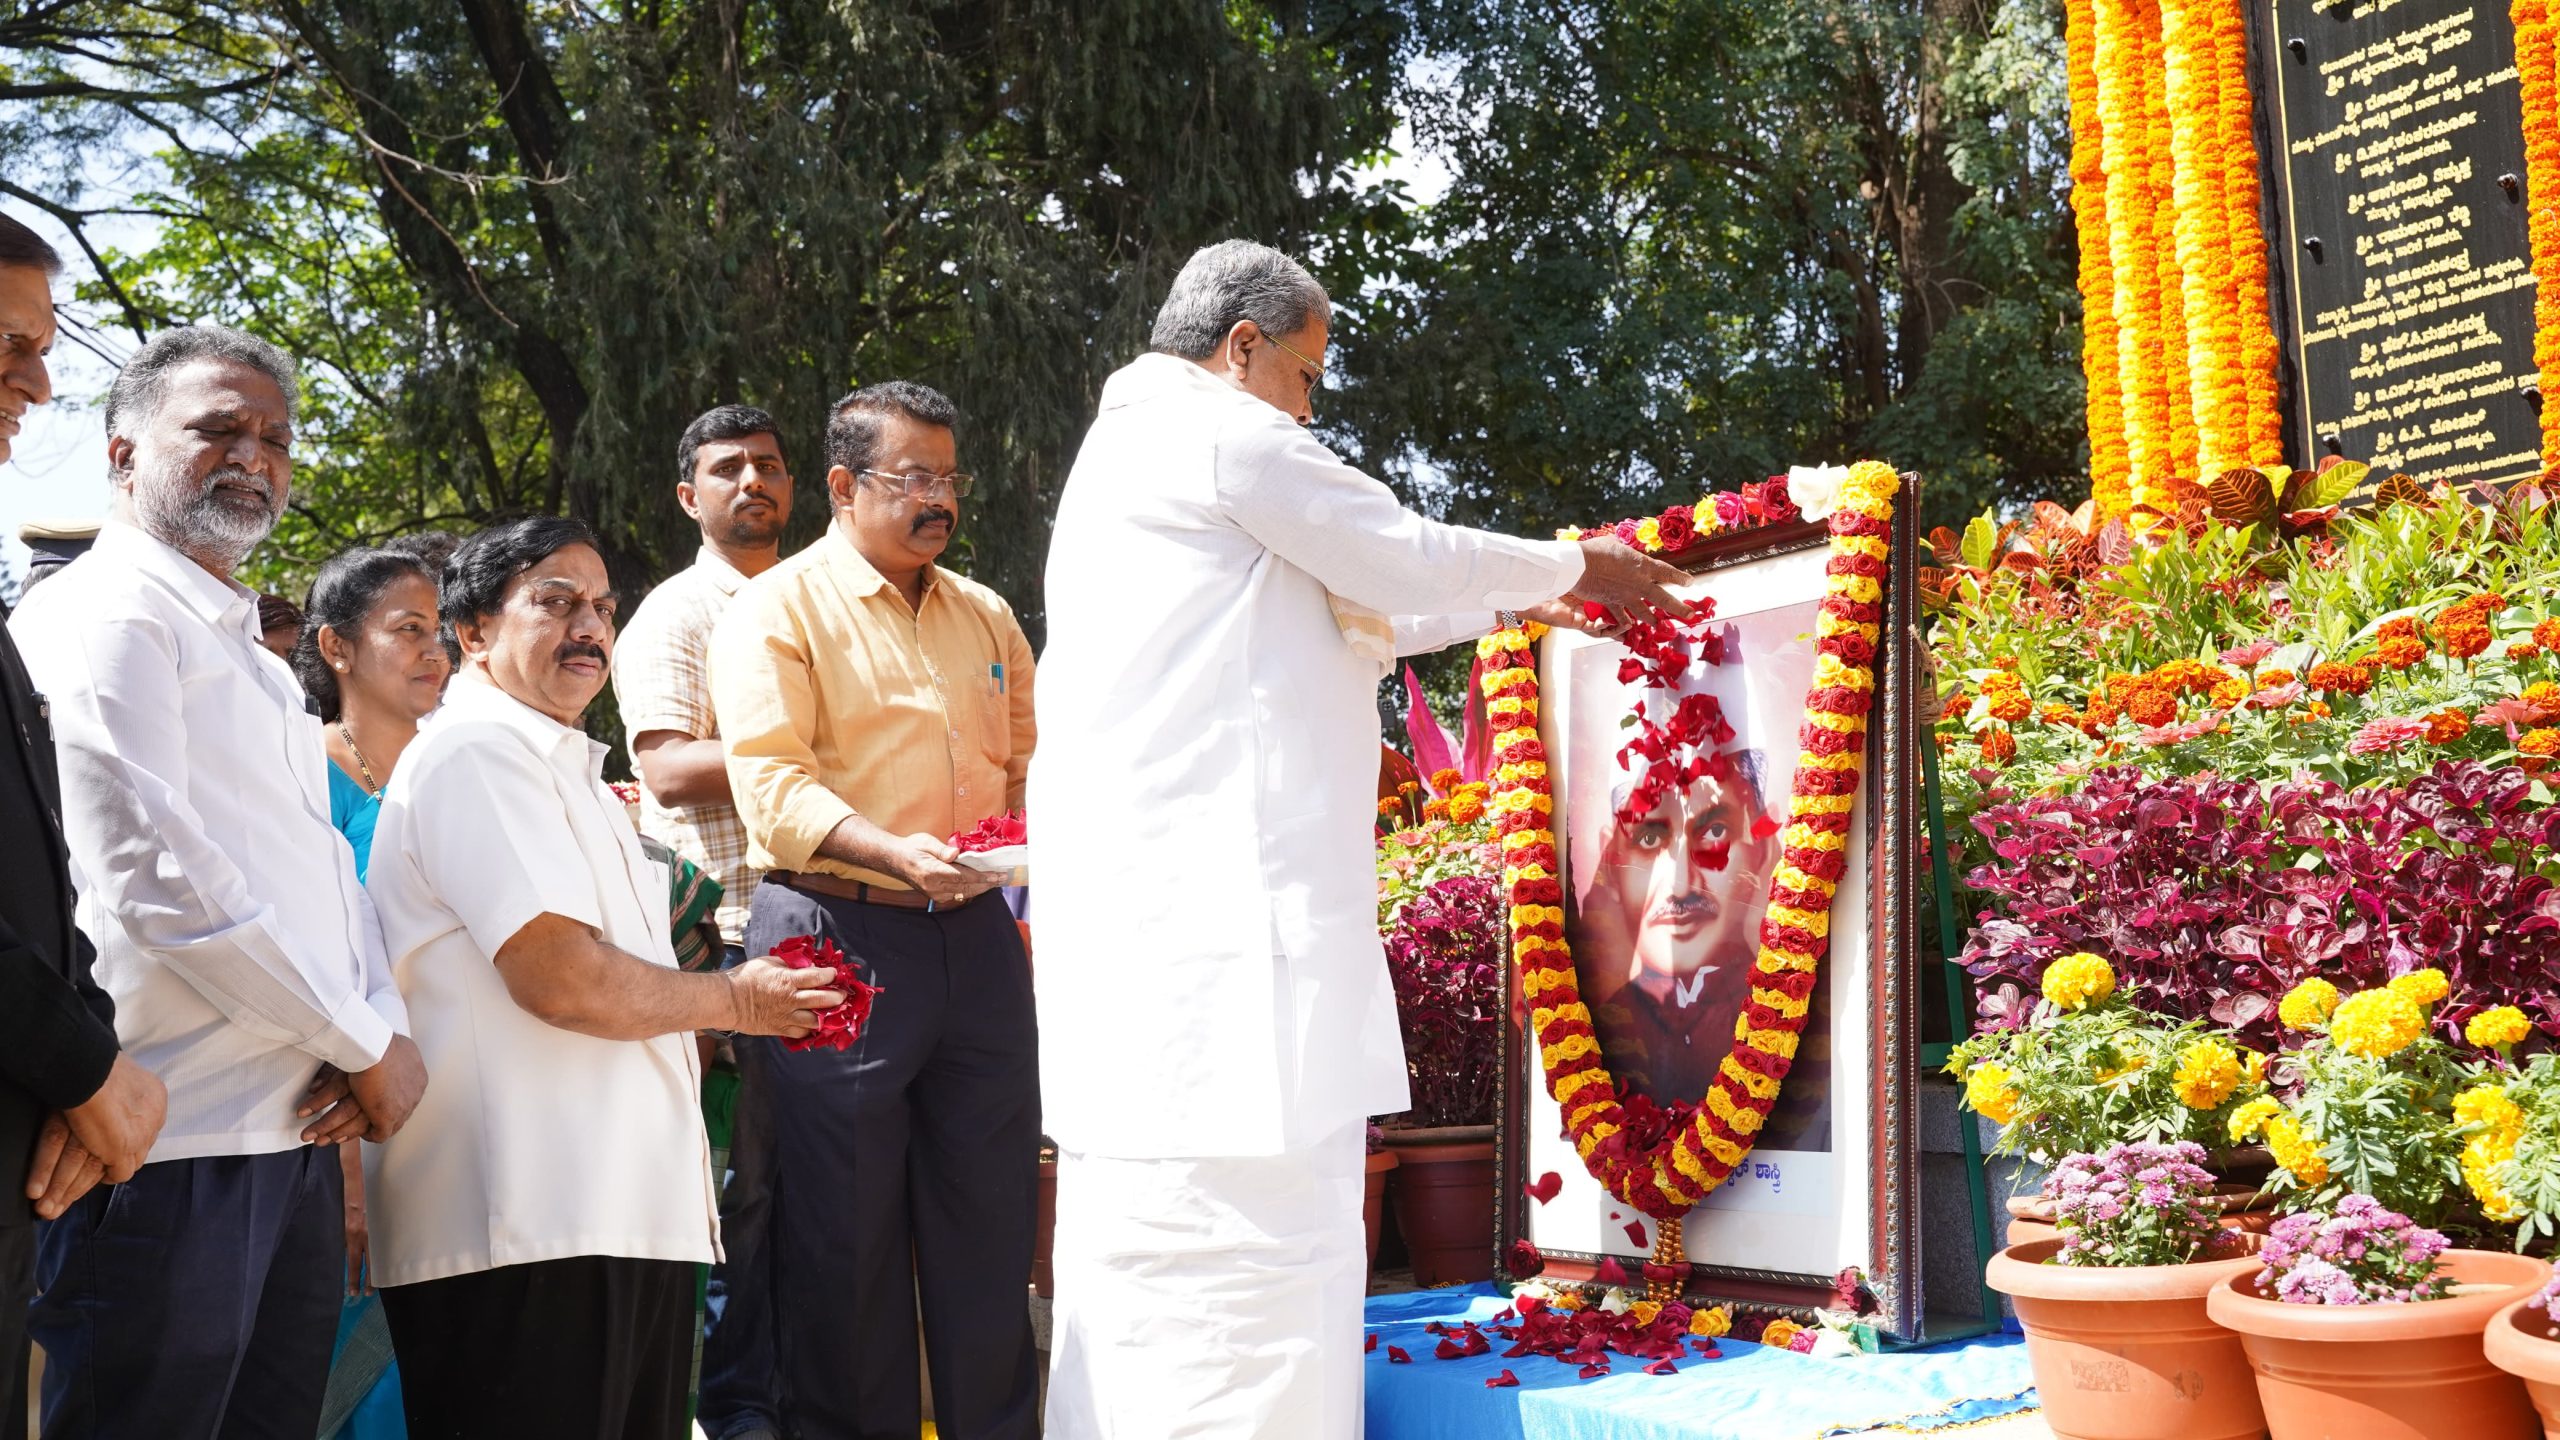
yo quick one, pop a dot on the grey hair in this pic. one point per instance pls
(1230, 281)
(144, 378)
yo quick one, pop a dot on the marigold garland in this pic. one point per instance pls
(2190, 89)
(1665, 1177)
(2131, 247)
(2538, 92)
(2245, 239)
(2180, 416)
(2109, 476)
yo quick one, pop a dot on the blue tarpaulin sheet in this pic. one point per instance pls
(1753, 1393)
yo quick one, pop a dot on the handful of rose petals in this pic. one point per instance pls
(842, 1025)
(993, 833)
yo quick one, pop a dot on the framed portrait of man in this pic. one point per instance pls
(1665, 888)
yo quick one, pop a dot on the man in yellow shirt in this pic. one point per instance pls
(873, 705)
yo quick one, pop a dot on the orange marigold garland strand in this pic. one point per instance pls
(1666, 1177)
(2245, 239)
(2108, 476)
(2180, 417)
(2190, 82)
(2537, 73)
(2130, 247)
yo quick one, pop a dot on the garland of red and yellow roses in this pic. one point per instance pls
(2177, 348)
(1666, 1178)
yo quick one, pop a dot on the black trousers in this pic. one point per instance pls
(590, 1346)
(17, 1286)
(905, 1172)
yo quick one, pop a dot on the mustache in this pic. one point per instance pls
(579, 650)
(234, 475)
(928, 516)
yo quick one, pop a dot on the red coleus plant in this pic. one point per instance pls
(840, 1027)
(1444, 955)
(993, 833)
(2214, 897)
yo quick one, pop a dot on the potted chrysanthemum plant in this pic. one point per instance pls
(2359, 1321)
(2524, 1340)
(2088, 1068)
(2511, 1160)
(2371, 1108)
(2114, 1306)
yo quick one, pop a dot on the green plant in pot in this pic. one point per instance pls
(2087, 1068)
(2511, 1158)
(2114, 1305)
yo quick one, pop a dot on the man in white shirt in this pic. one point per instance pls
(537, 1225)
(245, 965)
(1215, 1012)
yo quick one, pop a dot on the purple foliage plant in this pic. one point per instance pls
(2216, 896)
(1444, 953)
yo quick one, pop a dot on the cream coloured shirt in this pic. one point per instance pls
(533, 1142)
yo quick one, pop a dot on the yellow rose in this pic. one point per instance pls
(2497, 1028)
(2376, 1024)
(2208, 1071)
(1644, 1311)
(2307, 1006)
(2421, 987)
(2075, 982)
(1780, 1332)
(1711, 1321)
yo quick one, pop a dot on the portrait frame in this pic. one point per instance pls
(1873, 1105)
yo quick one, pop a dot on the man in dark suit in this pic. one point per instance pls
(73, 1110)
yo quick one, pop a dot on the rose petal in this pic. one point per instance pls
(1662, 1367)
(1610, 1272)
(1369, 1346)
(1635, 1232)
(1396, 1356)
(1449, 1350)
(1503, 1381)
(1545, 1187)
(1594, 1372)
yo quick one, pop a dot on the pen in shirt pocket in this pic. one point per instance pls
(995, 674)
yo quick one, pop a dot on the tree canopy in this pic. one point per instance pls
(518, 243)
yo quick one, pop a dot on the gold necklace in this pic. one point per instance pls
(365, 770)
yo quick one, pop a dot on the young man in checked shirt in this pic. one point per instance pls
(732, 479)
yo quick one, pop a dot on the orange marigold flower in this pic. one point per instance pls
(2319, 709)
(2446, 726)
(2008, 705)
(2462, 635)
(1445, 781)
(1391, 806)
(2270, 679)
(2542, 694)
(1435, 809)
(2401, 651)
(1999, 747)
(2004, 662)
(2547, 634)
(1466, 808)
(2230, 691)
(2053, 714)
(2405, 627)
(2331, 675)
(2537, 747)
(2523, 649)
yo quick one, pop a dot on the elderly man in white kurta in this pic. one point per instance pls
(537, 1225)
(1216, 1020)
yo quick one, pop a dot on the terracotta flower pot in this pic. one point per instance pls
(2518, 1341)
(1443, 1193)
(2386, 1372)
(1373, 1199)
(2127, 1353)
(2243, 1208)
(1044, 1233)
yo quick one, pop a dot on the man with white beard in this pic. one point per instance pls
(201, 1296)
(1216, 1021)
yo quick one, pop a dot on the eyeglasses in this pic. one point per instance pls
(1315, 368)
(921, 487)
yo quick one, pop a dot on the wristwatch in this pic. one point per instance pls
(1510, 619)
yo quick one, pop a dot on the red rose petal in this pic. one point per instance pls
(1545, 1187)
(1594, 1372)
(1369, 1346)
(1662, 1367)
(1503, 1381)
(1449, 1350)
(1635, 1232)
(1610, 1272)
(1707, 1349)
(1528, 1305)
(1396, 1356)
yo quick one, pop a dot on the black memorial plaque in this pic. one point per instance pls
(2401, 195)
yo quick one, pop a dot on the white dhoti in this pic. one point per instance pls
(1210, 1298)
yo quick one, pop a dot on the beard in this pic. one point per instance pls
(202, 520)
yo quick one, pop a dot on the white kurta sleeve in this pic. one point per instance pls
(1423, 634)
(120, 722)
(1285, 489)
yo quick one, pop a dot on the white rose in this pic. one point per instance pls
(1815, 489)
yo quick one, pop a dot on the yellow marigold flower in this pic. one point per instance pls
(2208, 1071)
(2479, 1166)
(2252, 1117)
(2297, 1150)
(2422, 987)
(2376, 1024)
(2307, 1005)
(2255, 1064)
(2078, 981)
(1987, 1090)
(1711, 1321)
(2497, 1027)
(2487, 1108)
(1779, 1333)
(1465, 808)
